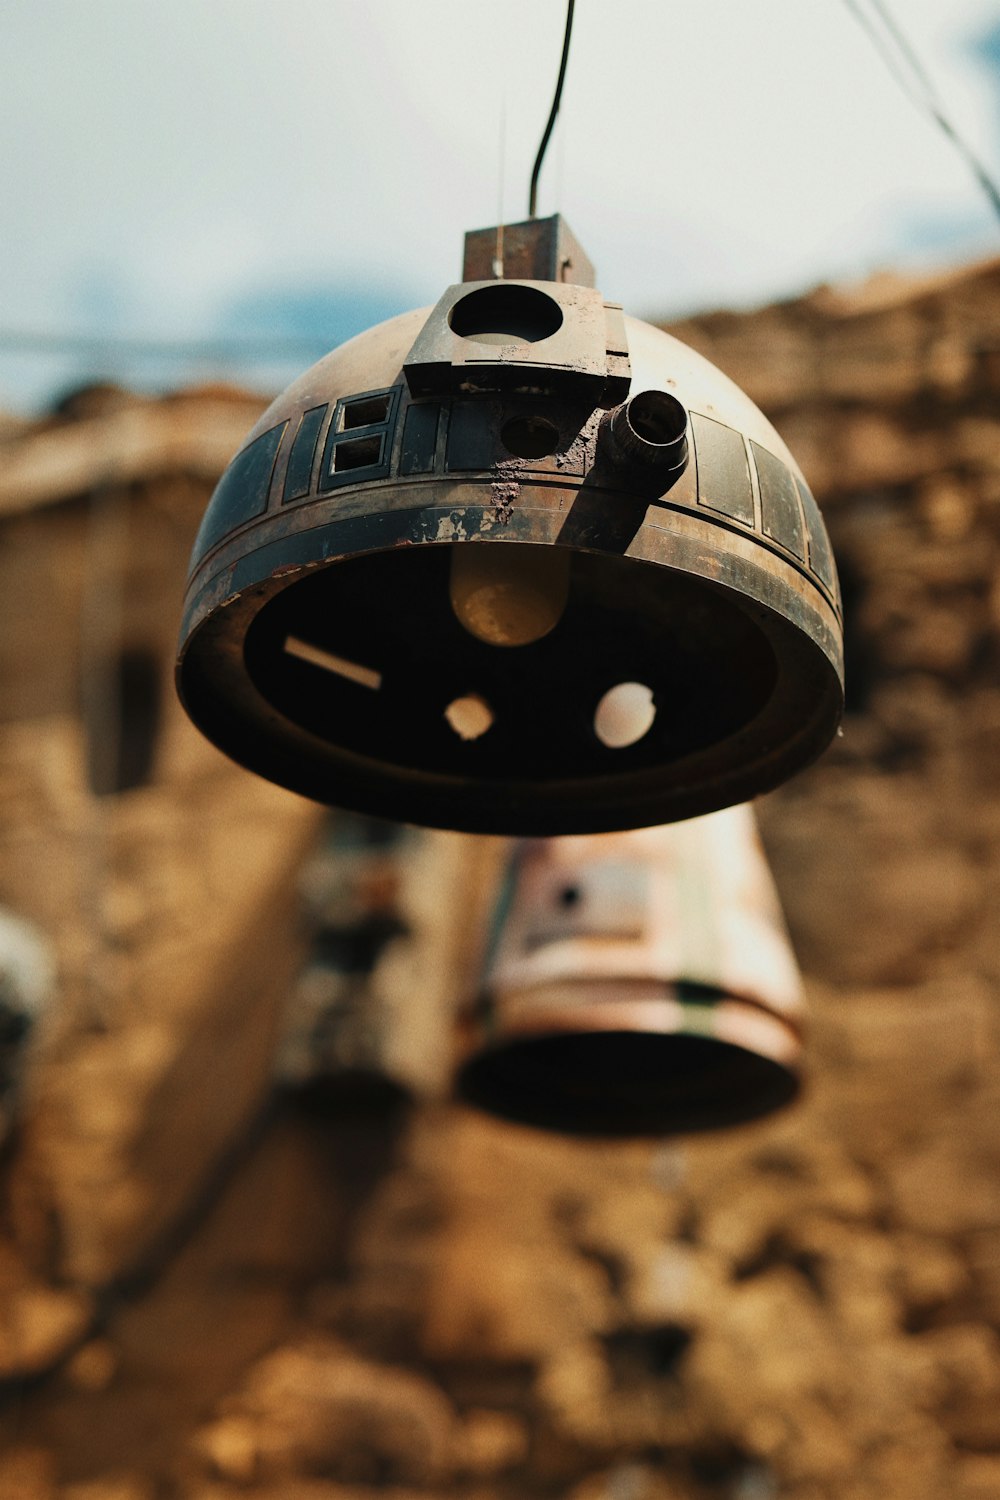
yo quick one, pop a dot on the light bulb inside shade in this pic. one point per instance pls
(507, 594)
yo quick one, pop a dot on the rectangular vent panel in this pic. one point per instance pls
(357, 453)
(368, 412)
(471, 436)
(420, 438)
(298, 475)
(242, 492)
(820, 557)
(781, 517)
(723, 469)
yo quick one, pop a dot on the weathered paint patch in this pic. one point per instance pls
(506, 487)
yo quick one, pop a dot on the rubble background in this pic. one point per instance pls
(223, 1277)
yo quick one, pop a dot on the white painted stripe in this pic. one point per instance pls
(317, 657)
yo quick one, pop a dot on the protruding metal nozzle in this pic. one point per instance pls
(646, 439)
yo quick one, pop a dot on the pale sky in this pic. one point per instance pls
(227, 169)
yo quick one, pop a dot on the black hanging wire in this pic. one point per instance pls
(924, 95)
(533, 190)
(222, 350)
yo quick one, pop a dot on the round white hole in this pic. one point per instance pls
(470, 717)
(624, 715)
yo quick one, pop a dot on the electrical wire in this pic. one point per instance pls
(37, 341)
(893, 46)
(533, 189)
(898, 55)
(906, 51)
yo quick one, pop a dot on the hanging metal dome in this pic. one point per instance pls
(640, 983)
(517, 564)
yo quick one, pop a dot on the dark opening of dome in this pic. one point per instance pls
(506, 314)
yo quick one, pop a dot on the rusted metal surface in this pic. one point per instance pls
(320, 647)
(530, 250)
(533, 339)
(641, 982)
(338, 1040)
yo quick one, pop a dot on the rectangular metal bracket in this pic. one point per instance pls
(585, 356)
(532, 250)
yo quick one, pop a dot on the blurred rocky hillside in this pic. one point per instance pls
(246, 1253)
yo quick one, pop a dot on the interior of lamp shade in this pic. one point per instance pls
(657, 694)
(370, 656)
(625, 1083)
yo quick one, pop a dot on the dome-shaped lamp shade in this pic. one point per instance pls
(517, 565)
(642, 983)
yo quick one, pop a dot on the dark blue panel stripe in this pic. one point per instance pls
(723, 469)
(298, 476)
(242, 491)
(780, 515)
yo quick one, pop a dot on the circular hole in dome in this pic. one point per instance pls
(570, 896)
(469, 716)
(624, 715)
(506, 314)
(530, 437)
(657, 417)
